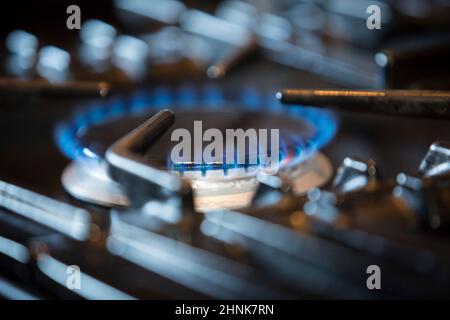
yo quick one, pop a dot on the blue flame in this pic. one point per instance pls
(68, 134)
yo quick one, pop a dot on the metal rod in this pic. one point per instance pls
(225, 63)
(59, 216)
(10, 87)
(129, 167)
(141, 138)
(409, 103)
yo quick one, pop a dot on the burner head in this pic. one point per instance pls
(86, 137)
(90, 182)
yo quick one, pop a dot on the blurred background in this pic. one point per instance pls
(133, 41)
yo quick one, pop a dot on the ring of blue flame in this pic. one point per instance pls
(68, 133)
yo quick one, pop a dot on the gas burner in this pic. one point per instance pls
(93, 129)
